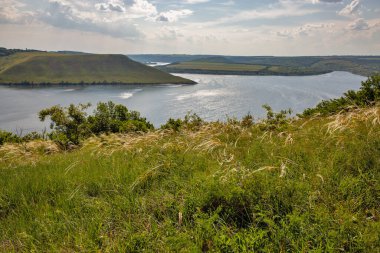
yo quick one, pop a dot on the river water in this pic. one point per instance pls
(215, 97)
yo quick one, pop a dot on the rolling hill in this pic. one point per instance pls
(56, 68)
(264, 65)
(219, 67)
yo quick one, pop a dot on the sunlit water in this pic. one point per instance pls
(214, 98)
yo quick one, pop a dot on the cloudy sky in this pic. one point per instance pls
(233, 27)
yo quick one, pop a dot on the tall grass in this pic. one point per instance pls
(309, 186)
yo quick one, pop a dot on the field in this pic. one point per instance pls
(196, 65)
(311, 185)
(204, 67)
(266, 65)
(54, 68)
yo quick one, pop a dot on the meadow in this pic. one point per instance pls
(267, 65)
(56, 68)
(299, 185)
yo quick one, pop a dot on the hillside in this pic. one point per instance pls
(206, 66)
(308, 184)
(54, 68)
(224, 187)
(265, 65)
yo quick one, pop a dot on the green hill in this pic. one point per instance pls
(220, 67)
(54, 68)
(265, 65)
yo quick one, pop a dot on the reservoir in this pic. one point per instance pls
(215, 97)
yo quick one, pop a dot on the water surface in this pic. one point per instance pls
(216, 97)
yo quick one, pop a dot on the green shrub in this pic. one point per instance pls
(8, 137)
(275, 121)
(190, 122)
(111, 118)
(71, 124)
(173, 124)
(368, 94)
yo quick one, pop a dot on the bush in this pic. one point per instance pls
(173, 124)
(368, 94)
(6, 137)
(190, 122)
(275, 121)
(111, 118)
(247, 120)
(71, 124)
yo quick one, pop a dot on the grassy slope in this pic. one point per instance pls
(201, 65)
(204, 66)
(314, 186)
(361, 65)
(56, 68)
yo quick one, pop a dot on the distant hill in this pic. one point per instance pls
(55, 68)
(170, 58)
(225, 66)
(265, 65)
(214, 59)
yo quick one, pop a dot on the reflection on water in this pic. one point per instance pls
(214, 98)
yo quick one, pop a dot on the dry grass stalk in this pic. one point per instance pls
(347, 120)
(26, 153)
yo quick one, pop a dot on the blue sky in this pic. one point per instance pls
(230, 27)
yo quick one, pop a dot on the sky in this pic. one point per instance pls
(223, 27)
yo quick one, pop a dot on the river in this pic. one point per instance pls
(215, 97)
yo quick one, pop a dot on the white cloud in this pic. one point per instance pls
(361, 24)
(12, 11)
(110, 6)
(169, 33)
(305, 30)
(285, 8)
(351, 9)
(143, 7)
(173, 15)
(67, 15)
(326, 1)
(196, 1)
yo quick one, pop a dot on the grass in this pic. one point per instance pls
(267, 65)
(53, 68)
(211, 66)
(198, 65)
(312, 186)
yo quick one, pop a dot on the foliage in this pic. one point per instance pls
(71, 125)
(247, 120)
(191, 122)
(222, 187)
(368, 94)
(7, 137)
(275, 121)
(111, 118)
(6, 52)
(279, 185)
(173, 124)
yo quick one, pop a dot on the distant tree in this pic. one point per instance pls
(8, 137)
(70, 124)
(111, 118)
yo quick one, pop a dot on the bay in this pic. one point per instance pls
(215, 97)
